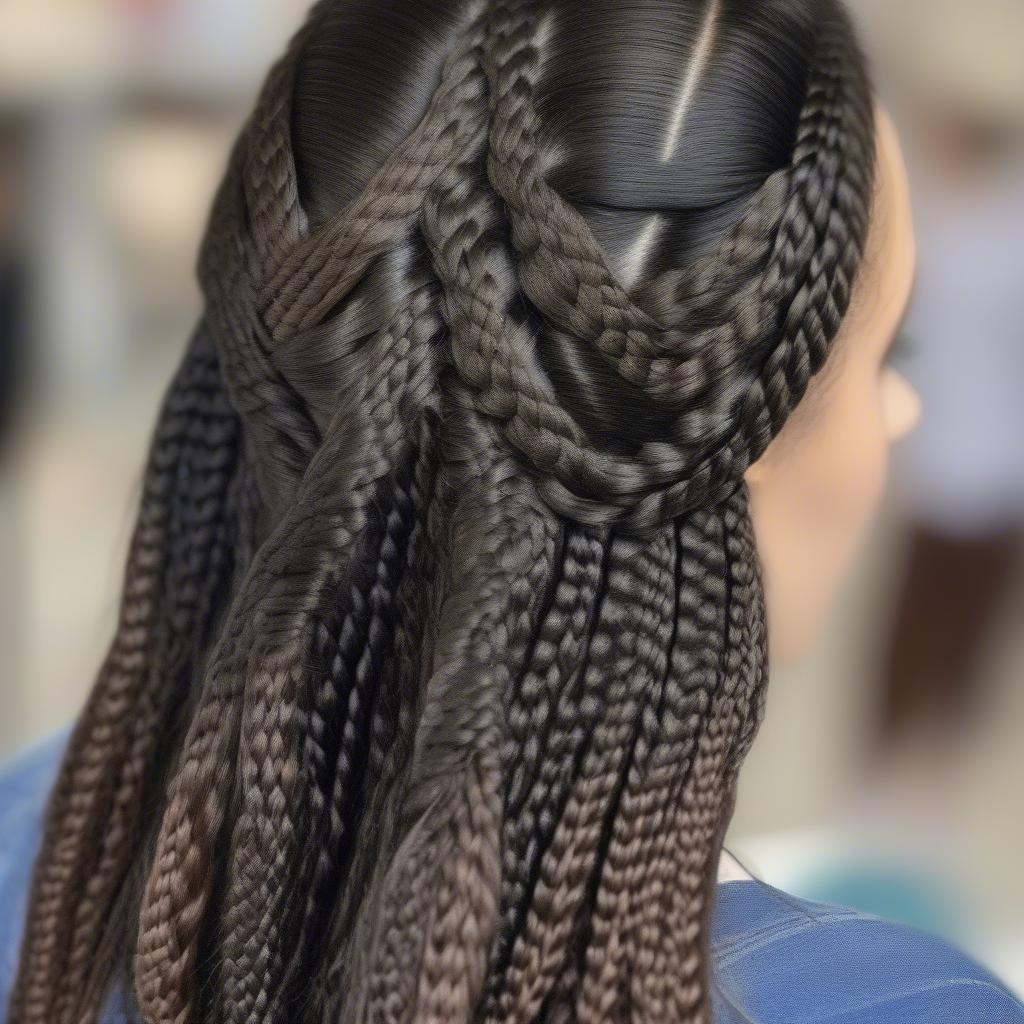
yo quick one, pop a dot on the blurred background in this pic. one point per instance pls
(889, 770)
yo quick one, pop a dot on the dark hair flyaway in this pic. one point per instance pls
(442, 637)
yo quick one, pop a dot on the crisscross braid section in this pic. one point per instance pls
(737, 379)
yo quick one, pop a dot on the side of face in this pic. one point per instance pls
(814, 491)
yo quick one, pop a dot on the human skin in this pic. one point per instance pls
(816, 488)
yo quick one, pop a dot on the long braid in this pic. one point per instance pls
(108, 757)
(199, 561)
(546, 716)
(690, 684)
(398, 357)
(348, 699)
(481, 632)
(575, 718)
(449, 990)
(539, 950)
(409, 664)
(616, 892)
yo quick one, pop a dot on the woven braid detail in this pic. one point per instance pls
(430, 686)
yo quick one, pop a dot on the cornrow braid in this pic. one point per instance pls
(443, 635)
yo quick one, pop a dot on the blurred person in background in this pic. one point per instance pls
(443, 634)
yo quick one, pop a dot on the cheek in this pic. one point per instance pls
(814, 512)
(844, 487)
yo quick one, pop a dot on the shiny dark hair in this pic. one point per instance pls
(442, 638)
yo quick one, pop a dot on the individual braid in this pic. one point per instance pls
(402, 544)
(748, 628)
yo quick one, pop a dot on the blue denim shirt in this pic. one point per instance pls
(776, 959)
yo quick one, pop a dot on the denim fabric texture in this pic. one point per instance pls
(777, 959)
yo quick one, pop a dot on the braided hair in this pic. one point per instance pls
(442, 637)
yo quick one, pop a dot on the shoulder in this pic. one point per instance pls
(778, 959)
(25, 785)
